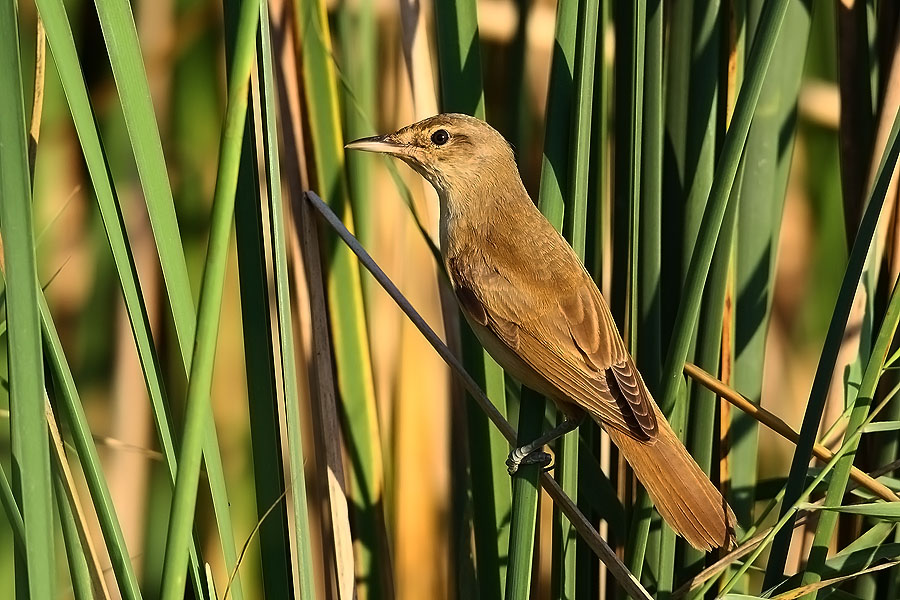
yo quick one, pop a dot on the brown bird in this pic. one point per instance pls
(540, 315)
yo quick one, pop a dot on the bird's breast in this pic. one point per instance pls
(510, 361)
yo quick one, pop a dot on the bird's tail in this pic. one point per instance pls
(682, 493)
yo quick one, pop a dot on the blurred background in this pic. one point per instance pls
(387, 73)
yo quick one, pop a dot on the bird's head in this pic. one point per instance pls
(456, 153)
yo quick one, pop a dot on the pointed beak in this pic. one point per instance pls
(379, 143)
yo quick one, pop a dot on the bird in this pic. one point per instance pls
(538, 312)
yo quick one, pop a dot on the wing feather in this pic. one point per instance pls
(566, 336)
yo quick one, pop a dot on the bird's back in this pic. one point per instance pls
(517, 278)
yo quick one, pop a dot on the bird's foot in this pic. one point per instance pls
(519, 457)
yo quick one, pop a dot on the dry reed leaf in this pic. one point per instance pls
(812, 587)
(58, 453)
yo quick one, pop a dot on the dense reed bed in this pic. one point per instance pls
(232, 365)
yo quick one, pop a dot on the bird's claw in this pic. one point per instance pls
(537, 457)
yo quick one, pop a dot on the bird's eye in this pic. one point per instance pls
(440, 137)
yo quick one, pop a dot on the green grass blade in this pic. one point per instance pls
(872, 375)
(72, 410)
(197, 410)
(857, 556)
(574, 229)
(831, 347)
(726, 171)
(575, 222)
(699, 163)
(260, 355)
(459, 59)
(260, 363)
(766, 165)
(303, 550)
(554, 191)
(882, 511)
(525, 492)
(858, 118)
(491, 485)
(215, 477)
(630, 248)
(62, 44)
(631, 20)
(359, 51)
(852, 559)
(11, 508)
(649, 357)
(838, 485)
(351, 347)
(703, 99)
(123, 46)
(28, 430)
(605, 503)
(677, 90)
(720, 191)
(265, 377)
(552, 203)
(598, 238)
(883, 426)
(712, 343)
(871, 539)
(78, 565)
(701, 430)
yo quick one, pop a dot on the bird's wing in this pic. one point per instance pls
(565, 333)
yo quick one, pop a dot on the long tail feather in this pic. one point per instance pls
(682, 493)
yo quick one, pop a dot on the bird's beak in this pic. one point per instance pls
(379, 143)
